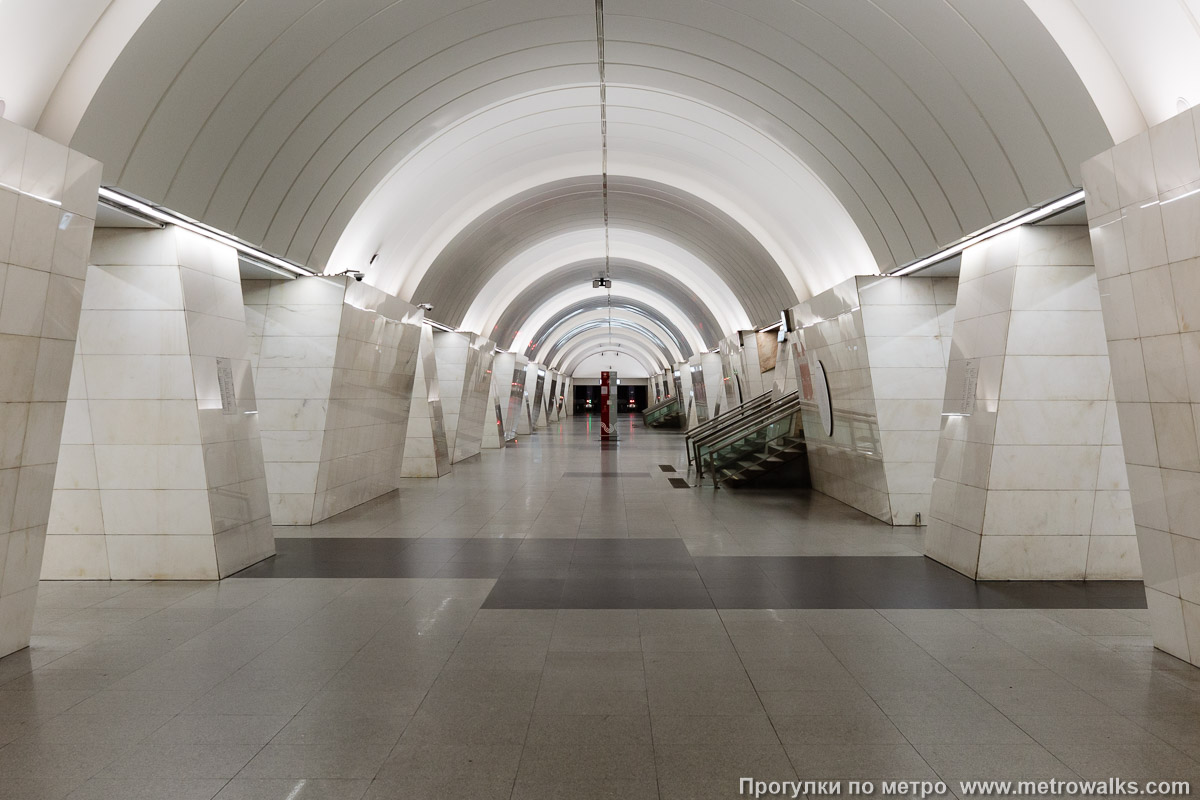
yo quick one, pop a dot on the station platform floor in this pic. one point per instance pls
(557, 620)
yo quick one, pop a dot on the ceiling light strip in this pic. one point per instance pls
(114, 198)
(1035, 214)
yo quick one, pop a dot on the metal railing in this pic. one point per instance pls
(746, 442)
(741, 427)
(751, 406)
(659, 410)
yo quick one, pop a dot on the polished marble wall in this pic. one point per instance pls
(1143, 206)
(426, 447)
(491, 434)
(47, 206)
(714, 384)
(522, 397)
(1030, 475)
(161, 472)
(464, 362)
(509, 374)
(335, 374)
(882, 343)
(693, 392)
(732, 384)
(537, 398)
(752, 380)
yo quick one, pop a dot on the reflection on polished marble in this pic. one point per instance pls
(355, 688)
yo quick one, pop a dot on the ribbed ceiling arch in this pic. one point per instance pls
(618, 341)
(466, 264)
(889, 125)
(578, 276)
(626, 329)
(618, 308)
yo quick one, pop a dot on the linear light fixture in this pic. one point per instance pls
(1028, 217)
(439, 326)
(115, 198)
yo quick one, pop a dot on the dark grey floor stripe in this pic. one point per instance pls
(661, 573)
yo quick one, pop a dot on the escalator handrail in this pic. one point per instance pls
(734, 424)
(717, 444)
(660, 405)
(751, 406)
(717, 439)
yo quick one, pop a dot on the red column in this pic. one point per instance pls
(608, 405)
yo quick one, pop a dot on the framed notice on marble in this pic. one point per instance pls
(225, 384)
(768, 350)
(962, 378)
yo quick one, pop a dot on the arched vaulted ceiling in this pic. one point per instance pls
(740, 265)
(542, 301)
(763, 150)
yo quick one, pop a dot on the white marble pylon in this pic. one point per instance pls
(464, 363)
(1143, 206)
(47, 206)
(881, 344)
(336, 362)
(162, 471)
(491, 435)
(426, 450)
(1030, 481)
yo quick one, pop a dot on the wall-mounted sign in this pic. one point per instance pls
(962, 380)
(768, 350)
(824, 402)
(225, 386)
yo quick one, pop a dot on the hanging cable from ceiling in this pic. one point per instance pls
(604, 156)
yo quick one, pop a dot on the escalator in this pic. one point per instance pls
(741, 449)
(745, 410)
(665, 414)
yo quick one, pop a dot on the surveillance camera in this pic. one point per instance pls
(358, 276)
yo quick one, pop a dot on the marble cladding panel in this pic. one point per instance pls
(753, 379)
(714, 384)
(509, 378)
(47, 209)
(523, 385)
(491, 436)
(538, 398)
(567, 398)
(1029, 485)
(426, 452)
(163, 480)
(907, 325)
(552, 404)
(371, 392)
(294, 367)
(846, 465)
(733, 384)
(1143, 206)
(682, 379)
(505, 374)
(882, 344)
(464, 372)
(335, 366)
(701, 410)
